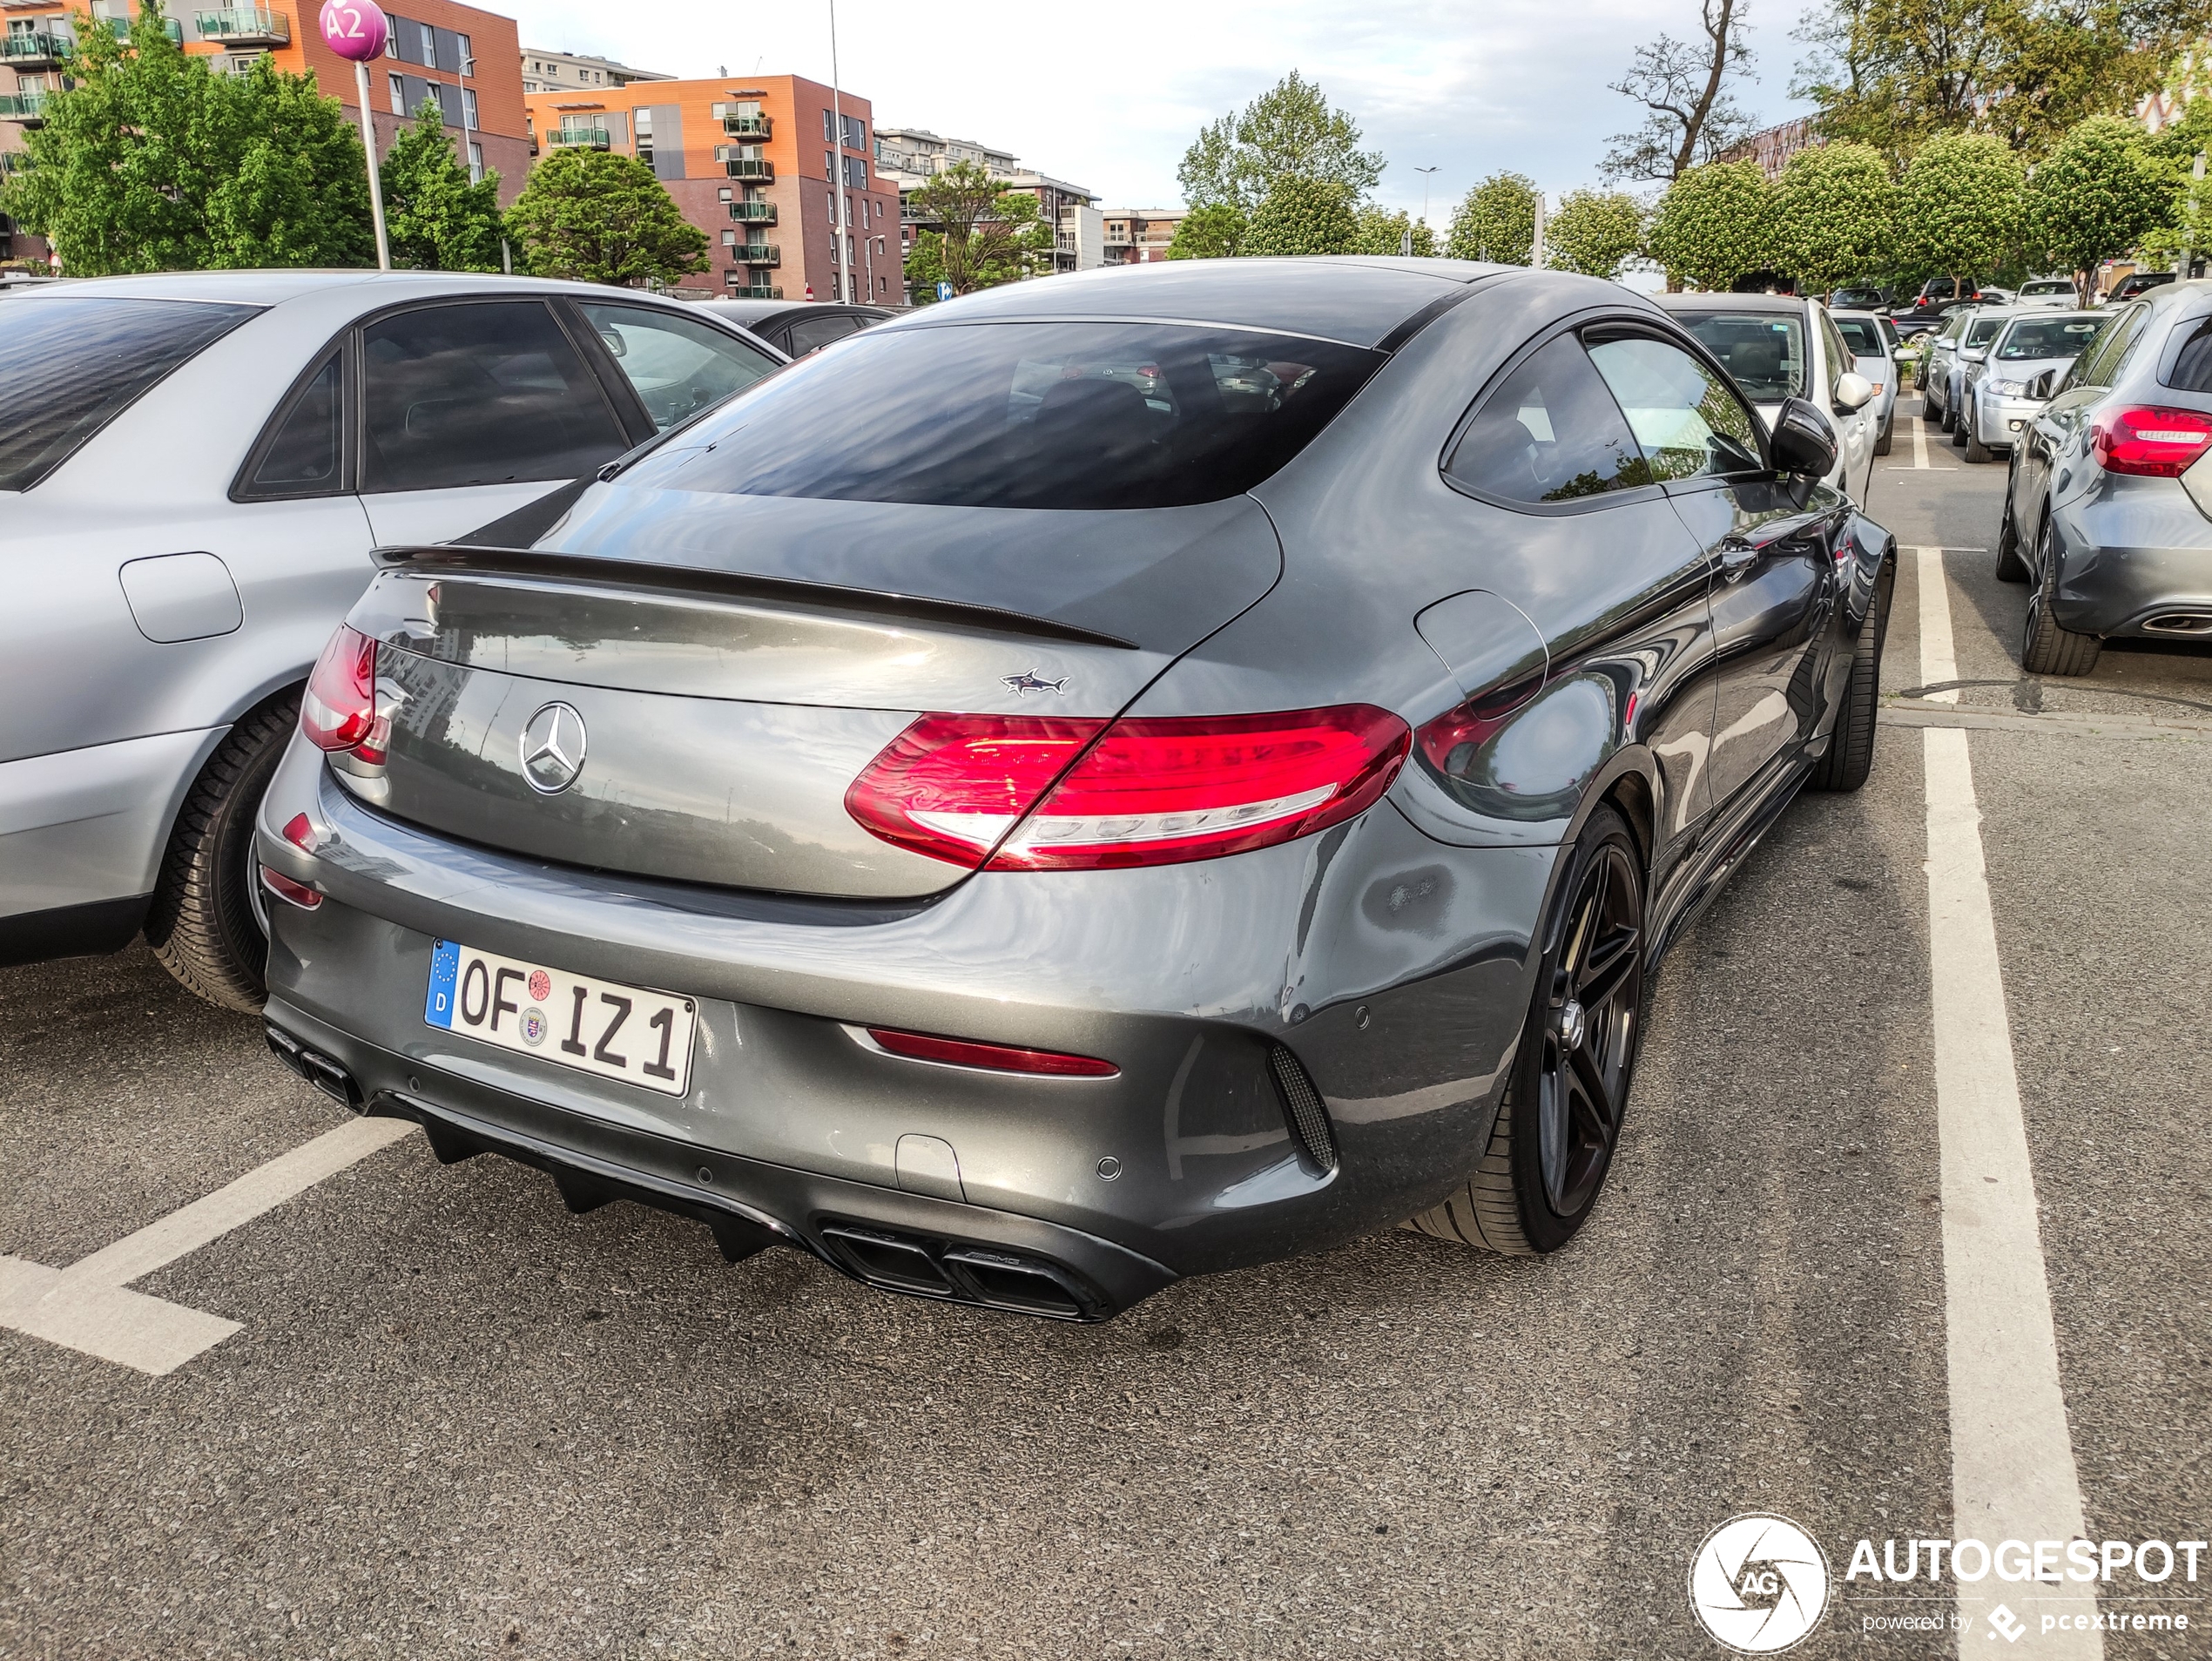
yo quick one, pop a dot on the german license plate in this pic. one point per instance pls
(625, 1032)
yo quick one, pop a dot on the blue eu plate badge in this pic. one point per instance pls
(445, 974)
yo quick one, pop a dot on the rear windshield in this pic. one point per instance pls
(1861, 336)
(2059, 337)
(68, 367)
(1765, 354)
(1006, 415)
(2051, 287)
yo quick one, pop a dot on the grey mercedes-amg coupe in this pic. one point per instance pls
(1108, 778)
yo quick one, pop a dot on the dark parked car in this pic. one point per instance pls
(1925, 316)
(2137, 284)
(1863, 297)
(798, 329)
(2108, 509)
(1053, 796)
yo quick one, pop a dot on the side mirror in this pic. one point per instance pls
(1852, 390)
(2044, 384)
(1803, 443)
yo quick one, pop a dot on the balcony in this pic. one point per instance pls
(760, 253)
(170, 27)
(578, 138)
(756, 291)
(244, 26)
(761, 171)
(753, 212)
(29, 108)
(748, 126)
(39, 49)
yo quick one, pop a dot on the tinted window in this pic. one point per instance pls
(1765, 354)
(1860, 335)
(1687, 420)
(811, 334)
(1551, 433)
(676, 366)
(305, 454)
(1087, 416)
(2192, 370)
(2099, 364)
(70, 366)
(479, 394)
(1983, 330)
(2059, 337)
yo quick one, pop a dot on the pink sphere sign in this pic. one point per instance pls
(355, 29)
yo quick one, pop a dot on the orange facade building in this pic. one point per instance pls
(754, 163)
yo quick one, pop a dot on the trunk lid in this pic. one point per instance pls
(730, 665)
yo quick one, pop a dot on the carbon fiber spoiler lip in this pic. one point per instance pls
(743, 585)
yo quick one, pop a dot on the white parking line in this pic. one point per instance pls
(86, 1306)
(1919, 443)
(2012, 1474)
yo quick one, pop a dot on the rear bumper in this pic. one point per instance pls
(1391, 970)
(2134, 553)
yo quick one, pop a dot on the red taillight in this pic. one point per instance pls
(1150, 791)
(339, 709)
(1003, 1058)
(284, 887)
(2150, 442)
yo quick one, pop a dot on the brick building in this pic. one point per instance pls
(1138, 236)
(467, 59)
(751, 161)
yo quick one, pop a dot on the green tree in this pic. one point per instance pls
(2095, 195)
(1304, 215)
(1595, 233)
(982, 233)
(148, 162)
(1714, 224)
(597, 216)
(1959, 206)
(2188, 222)
(1214, 232)
(1496, 221)
(1835, 211)
(1290, 129)
(434, 219)
(1380, 231)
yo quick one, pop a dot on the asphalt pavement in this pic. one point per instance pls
(456, 1420)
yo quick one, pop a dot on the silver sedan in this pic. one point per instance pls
(193, 468)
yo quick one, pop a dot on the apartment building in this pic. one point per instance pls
(463, 59)
(757, 164)
(911, 157)
(1138, 236)
(551, 71)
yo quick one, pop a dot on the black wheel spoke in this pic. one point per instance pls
(1609, 971)
(1597, 1118)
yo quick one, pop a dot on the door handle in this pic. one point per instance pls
(1737, 558)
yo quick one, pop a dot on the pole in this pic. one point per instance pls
(1536, 247)
(837, 185)
(1426, 180)
(375, 183)
(2188, 222)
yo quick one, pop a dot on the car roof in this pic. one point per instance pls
(1350, 298)
(753, 312)
(275, 287)
(1773, 304)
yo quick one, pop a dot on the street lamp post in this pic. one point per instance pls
(1426, 181)
(842, 232)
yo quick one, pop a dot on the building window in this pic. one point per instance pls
(476, 163)
(828, 131)
(469, 107)
(729, 239)
(468, 62)
(641, 124)
(723, 195)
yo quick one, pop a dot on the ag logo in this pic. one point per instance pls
(1758, 1585)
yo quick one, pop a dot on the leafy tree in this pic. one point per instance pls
(598, 216)
(1214, 232)
(1959, 206)
(1834, 213)
(1379, 231)
(150, 162)
(1595, 233)
(1304, 215)
(1290, 129)
(2096, 195)
(2187, 223)
(1690, 115)
(1893, 73)
(984, 234)
(1496, 221)
(434, 219)
(1714, 224)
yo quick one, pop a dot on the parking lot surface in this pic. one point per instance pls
(455, 1420)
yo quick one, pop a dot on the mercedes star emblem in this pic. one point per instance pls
(553, 749)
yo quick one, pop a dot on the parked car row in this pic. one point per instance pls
(844, 812)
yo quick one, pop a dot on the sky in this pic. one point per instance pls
(1109, 96)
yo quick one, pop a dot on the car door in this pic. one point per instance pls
(1776, 584)
(472, 409)
(1854, 427)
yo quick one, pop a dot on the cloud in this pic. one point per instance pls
(1109, 96)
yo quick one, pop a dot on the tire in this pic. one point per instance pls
(2047, 649)
(1958, 430)
(2011, 568)
(1520, 1201)
(1945, 423)
(206, 923)
(1850, 745)
(1976, 450)
(1882, 444)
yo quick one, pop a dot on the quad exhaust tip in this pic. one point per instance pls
(317, 1068)
(922, 1267)
(2194, 624)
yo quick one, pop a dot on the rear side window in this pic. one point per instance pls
(1860, 335)
(1765, 354)
(676, 365)
(487, 393)
(2192, 370)
(68, 367)
(812, 333)
(1006, 414)
(305, 454)
(1551, 433)
(1689, 423)
(1983, 330)
(2099, 364)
